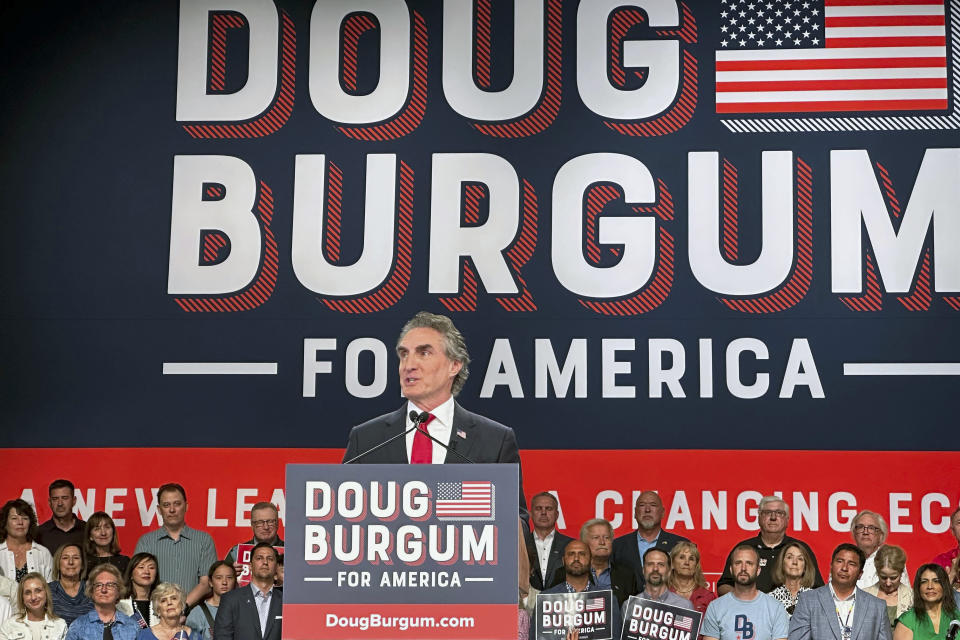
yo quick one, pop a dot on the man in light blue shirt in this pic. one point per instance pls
(746, 613)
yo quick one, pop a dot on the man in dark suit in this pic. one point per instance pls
(433, 368)
(839, 610)
(253, 612)
(545, 544)
(629, 548)
(598, 534)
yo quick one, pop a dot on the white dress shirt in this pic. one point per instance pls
(440, 428)
(543, 550)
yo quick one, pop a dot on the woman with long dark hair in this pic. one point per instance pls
(101, 543)
(142, 577)
(933, 607)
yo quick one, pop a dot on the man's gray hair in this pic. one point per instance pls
(884, 529)
(765, 500)
(592, 523)
(454, 346)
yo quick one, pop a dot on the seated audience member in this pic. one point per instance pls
(827, 612)
(745, 612)
(577, 577)
(793, 571)
(101, 543)
(183, 554)
(889, 564)
(628, 549)
(20, 554)
(68, 589)
(141, 578)
(105, 587)
(545, 542)
(35, 616)
(656, 568)
(169, 603)
(63, 527)
(598, 534)
(686, 576)
(259, 602)
(265, 521)
(773, 514)
(933, 607)
(869, 531)
(201, 619)
(946, 559)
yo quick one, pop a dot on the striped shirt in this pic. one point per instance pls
(69, 607)
(183, 561)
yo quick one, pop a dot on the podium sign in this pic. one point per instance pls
(401, 551)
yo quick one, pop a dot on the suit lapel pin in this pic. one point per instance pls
(461, 434)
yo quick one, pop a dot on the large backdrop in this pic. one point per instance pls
(710, 248)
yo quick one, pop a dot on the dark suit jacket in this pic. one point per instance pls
(483, 440)
(554, 561)
(815, 617)
(237, 617)
(627, 554)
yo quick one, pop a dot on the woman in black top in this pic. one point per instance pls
(101, 543)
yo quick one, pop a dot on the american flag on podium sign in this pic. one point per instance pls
(471, 500)
(814, 65)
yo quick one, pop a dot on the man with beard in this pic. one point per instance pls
(576, 569)
(598, 534)
(629, 549)
(656, 567)
(745, 613)
(261, 601)
(773, 514)
(840, 610)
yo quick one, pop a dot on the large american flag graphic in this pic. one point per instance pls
(473, 499)
(795, 56)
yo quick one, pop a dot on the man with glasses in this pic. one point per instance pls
(105, 587)
(773, 516)
(869, 531)
(265, 520)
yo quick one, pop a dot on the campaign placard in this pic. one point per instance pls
(590, 612)
(401, 551)
(243, 558)
(651, 620)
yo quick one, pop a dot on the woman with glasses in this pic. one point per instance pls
(101, 542)
(933, 607)
(141, 578)
(19, 554)
(68, 588)
(105, 587)
(35, 617)
(890, 563)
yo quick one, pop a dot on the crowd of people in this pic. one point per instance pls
(66, 578)
(771, 587)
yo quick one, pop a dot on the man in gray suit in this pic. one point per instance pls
(253, 612)
(839, 610)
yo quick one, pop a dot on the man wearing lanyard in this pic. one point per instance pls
(839, 609)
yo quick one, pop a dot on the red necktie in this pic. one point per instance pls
(422, 450)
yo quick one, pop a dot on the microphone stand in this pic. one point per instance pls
(417, 419)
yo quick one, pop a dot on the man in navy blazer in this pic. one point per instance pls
(433, 368)
(253, 612)
(648, 512)
(839, 610)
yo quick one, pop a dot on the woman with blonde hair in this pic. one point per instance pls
(794, 571)
(891, 562)
(686, 576)
(36, 618)
(68, 588)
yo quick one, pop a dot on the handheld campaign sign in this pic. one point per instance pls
(651, 620)
(590, 612)
(401, 551)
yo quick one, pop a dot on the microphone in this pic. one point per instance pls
(953, 630)
(420, 418)
(414, 417)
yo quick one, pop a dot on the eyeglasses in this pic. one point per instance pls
(766, 513)
(869, 528)
(263, 524)
(106, 586)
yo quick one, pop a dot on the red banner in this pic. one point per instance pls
(709, 496)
